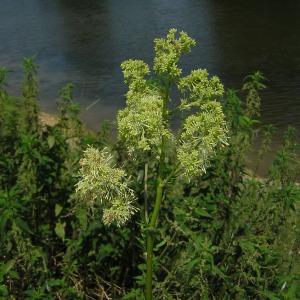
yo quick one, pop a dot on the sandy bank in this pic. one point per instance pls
(48, 119)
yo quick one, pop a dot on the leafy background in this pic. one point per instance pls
(228, 234)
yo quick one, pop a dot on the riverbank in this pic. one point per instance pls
(48, 119)
(52, 119)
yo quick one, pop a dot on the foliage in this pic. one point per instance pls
(37, 175)
(224, 233)
(231, 235)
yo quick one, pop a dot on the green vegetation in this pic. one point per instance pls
(191, 221)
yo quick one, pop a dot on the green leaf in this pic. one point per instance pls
(179, 211)
(264, 249)
(3, 220)
(40, 253)
(81, 217)
(9, 265)
(55, 282)
(134, 294)
(192, 263)
(247, 246)
(269, 295)
(58, 209)
(9, 246)
(292, 291)
(60, 230)
(13, 274)
(51, 141)
(203, 213)
(3, 290)
(216, 270)
(23, 225)
(140, 279)
(159, 245)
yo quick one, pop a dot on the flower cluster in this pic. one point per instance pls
(202, 133)
(102, 185)
(168, 52)
(134, 72)
(199, 88)
(204, 130)
(144, 121)
(141, 124)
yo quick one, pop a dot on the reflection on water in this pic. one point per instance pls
(84, 42)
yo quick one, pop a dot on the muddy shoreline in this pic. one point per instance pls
(48, 119)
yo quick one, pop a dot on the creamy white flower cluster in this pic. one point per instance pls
(202, 133)
(141, 124)
(145, 120)
(103, 186)
(168, 52)
(134, 74)
(204, 130)
(197, 88)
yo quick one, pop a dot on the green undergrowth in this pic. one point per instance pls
(224, 234)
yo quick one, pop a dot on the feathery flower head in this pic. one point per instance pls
(202, 134)
(102, 185)
(168, 52)
(141, 124)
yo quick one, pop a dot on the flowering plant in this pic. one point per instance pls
(144, 125)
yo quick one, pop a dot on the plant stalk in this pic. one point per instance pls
(158, 201)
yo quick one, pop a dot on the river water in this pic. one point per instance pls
(84, 42)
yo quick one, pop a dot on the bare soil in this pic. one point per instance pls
(48, 119)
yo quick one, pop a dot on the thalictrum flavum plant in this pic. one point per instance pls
(144, 126)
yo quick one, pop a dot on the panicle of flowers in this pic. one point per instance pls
(168, 52)
(199, 88)
(103, 186)
(202, 134)
(134, 72)
(141, 124)
(119, 210)
(144, 121)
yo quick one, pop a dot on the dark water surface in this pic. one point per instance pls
(84, 42)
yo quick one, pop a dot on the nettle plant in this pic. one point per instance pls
(144, 127)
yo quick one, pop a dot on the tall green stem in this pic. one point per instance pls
(158, 200)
